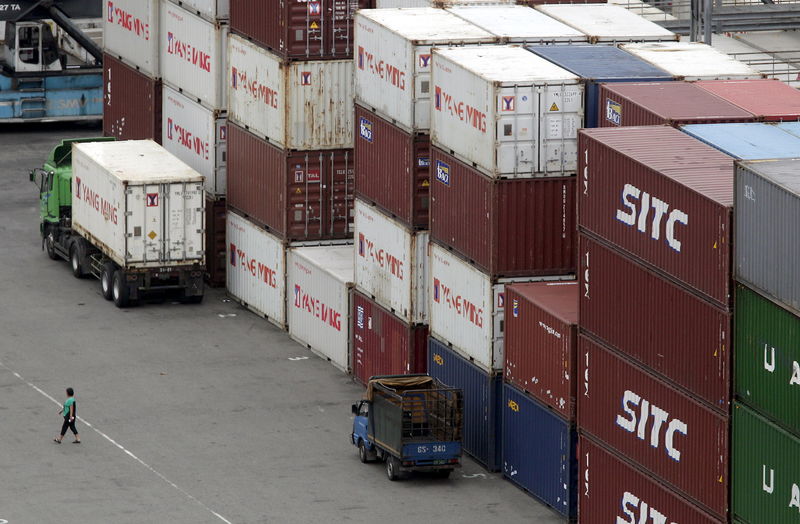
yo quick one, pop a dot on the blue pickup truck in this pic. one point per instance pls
(411, 422)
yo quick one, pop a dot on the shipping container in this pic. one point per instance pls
(131, 33)
(511, 227)
(599, 64)
(747, 141)
(612, 490)
(670, 435)
(216, 245)
(391, 263)
(692, 61)
(256, 271)
(386, 4)
(790, 127)
(541, 342)
(193, 55)
(539, 451)
(295, 105)
(767, 356)
(506, 112)
(659, 103)
(765, 470)
(483, 397)
(384, 344)
(299, 30)
(393, 60)
(608, 23)
(198, 136)
(392, 168)
(660, 325)
(662, 197)
(767, 215)
(123, 193)
(768, 99)
(318, 293)
(131, 103)
(210, 9)
(299, 196)
(517, 24)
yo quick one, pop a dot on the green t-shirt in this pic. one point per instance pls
(70, 401)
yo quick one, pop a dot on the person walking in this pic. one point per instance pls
(70, 413)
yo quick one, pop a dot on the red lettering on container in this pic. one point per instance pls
(188, 52)
(317, 308)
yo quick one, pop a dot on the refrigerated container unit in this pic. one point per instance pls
(599, 64)
(608, 24)
(517, 24)
(506, 112)
(131, 34)
(769, 99)
(747, 141)
(131, 102)
(216, 246)
(692, 61)
(211, 10)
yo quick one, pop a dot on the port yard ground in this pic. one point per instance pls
(198, 413)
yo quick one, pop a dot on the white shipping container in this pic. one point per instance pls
(607, 23)
(506, 111)
(138, 204)
(384, 4)
(318, 283)
(211, 9)
(198, 136)
(256, 272)
(298, 105)
(518, 24)
(692, 61)
(193, 55)
(393, 59)
(131, 33)
(391, 263)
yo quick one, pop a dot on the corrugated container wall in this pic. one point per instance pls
(670, 206)
(192, 55)
(507, 227)
(131, 33)
(748, 141)
(767, 356)
(386, 4)
(392, 168)
(391, 263)
(659, 103)
(483, 399)
(299, 30)
(608, 23)
(769, 99)
(539, 451)
(297, 195)
(216, 245)
(766, 468)
(393, 60)
(211, 9)
(669, 434)
(295, 105)
(517, 24)
(612, 490)
(599, 64)
(318, 292)
(692, 61)
(383, 344)
(131, 103)
(662, 326)
(767, 215)
(256, 272)
(541, 335)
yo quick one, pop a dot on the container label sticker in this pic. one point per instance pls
(554, 107)
(314, 175)
(314, 9)
(437, 358)
(515, 307)
(613, 112)
(223, 133)
(152, 199)
(508, 103)
(305, 78)
(360, 317)
(423, 161)
(501, 300)
(152, 235)
(365, 129)
(298, 176)
(443, 172)
(424, 61)
(513, 405)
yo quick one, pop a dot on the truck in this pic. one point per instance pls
(410, 422)
(128, 213)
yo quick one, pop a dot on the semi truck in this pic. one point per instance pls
(411, 423)
(128, 213)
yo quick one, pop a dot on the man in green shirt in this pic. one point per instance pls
(69, 412)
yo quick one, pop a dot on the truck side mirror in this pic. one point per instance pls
(354, 409)
(32, 176)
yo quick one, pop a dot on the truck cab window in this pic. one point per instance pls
(29, 44)
(48, 182)
(363, 409)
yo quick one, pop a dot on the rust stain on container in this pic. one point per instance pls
(131, 102)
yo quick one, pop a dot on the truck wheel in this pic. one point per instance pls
(119, 289)
(50, 246)
(75, 257)
(392, 468)
(362, 452)
(107, 280)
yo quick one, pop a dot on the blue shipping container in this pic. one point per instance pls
(482, 397)
(754, 141)
(597, 64)
(790, 127)
(539, 451)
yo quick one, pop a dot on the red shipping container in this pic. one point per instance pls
(216, 256)
(131, 102)
(612, 490)
(509, 227)
(768, 99)
(299, 29)
(667, 433)
(657, 103)
(541, 338)
(384, 344)
(297, 195)
(662, 196)
(664, 327)
(392, 168)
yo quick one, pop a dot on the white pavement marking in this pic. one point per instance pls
(134, 457)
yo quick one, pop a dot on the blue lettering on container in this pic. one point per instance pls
(443, 172)
(365, 129)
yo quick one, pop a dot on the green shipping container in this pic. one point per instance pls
(766, 470)
(766, 352)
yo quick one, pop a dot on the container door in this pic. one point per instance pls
(220, 183)
(305, 196)
(306, 26)
(561, 108)
(498, 325)
(517, 133)
(339, 34)
(339, 190)
(184, 222)
(144, 229)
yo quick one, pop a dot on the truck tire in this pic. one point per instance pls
(392, 468)
(50, 245)
(363, 455)
(119, 289)
(76, 260)
(107, 280)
